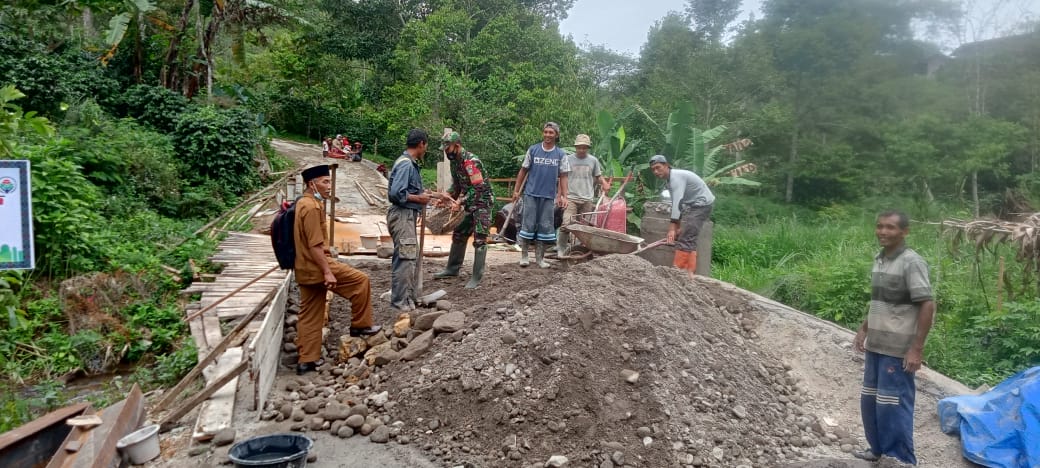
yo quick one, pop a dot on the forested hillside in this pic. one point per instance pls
(146, 118)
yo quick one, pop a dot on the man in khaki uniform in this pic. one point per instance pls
(316, 274)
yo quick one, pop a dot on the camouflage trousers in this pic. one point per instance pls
(476, 222)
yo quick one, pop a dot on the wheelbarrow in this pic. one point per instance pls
(601, 241)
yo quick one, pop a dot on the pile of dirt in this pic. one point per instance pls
(613, 363)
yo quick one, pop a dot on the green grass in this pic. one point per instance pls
(820, 263)
(282, 135)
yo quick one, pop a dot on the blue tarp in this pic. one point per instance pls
(1000, 428)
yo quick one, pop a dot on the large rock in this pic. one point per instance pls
(224, 437)
(377, 400)
(350, 346)
(425, 321)
(381, 355)
(361, 410)
(376, 339)
(418, 346)
(336, 411)
(402, 325)
(355, 421)
(450, 322)
(380, 435)
(386, 358)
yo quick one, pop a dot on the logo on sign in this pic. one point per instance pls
(7, 185)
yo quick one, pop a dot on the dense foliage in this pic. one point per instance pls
(157, 109)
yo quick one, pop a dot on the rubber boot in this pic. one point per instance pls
(562, 239)
(539, 255)
(680, 260)
(524, 259)
(691, 264)
(455, 258)
(479, 255)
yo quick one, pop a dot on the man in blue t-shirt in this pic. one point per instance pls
(543, 181)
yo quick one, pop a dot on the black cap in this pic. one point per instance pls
(312, 173)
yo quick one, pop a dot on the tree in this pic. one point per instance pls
(711, 17)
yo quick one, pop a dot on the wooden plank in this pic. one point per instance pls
(75, 438)
(247, 301)
(264, 350)
(171, 418)
(85, 422)
(98, 449)
(211, 330)
(36, 441)
(197, 333)
(205, 309)
(206, 360)
(216, 412)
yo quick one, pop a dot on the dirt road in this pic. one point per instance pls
(363, 172)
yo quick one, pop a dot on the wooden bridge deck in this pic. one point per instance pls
(245, 257)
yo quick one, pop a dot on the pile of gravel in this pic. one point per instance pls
(615, 363)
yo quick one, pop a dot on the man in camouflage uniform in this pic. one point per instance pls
(469, 183)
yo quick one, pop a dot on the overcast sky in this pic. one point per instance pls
(622, 25)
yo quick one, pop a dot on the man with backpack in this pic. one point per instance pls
(316, 274)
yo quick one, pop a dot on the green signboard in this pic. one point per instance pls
(16, 236)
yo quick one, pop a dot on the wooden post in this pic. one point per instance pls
(332, 209)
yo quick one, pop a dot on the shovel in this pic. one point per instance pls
(650, 246)
(432, 297)
(509, 216)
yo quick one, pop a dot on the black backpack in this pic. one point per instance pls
(282, 238)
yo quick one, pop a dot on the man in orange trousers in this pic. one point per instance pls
(692, 202)
(316, 274)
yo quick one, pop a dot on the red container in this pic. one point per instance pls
(614, 216)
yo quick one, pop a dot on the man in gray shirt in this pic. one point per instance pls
(585, 176)
(692, 202)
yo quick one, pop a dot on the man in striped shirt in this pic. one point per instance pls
(893, 338)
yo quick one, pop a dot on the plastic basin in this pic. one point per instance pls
(141, 445)
(272, 451)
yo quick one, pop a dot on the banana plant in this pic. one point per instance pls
(613, 149)
(691, 148)
(119, 24)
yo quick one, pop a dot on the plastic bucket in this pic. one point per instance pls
(272, 451)
(370, 241)
(141, 445)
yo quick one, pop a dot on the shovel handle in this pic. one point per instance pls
(650, 245)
